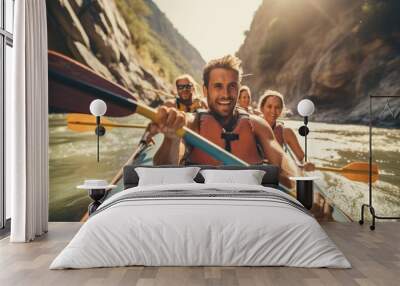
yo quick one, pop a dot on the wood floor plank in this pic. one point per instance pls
(375, 258)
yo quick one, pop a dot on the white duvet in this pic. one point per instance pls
(183, 231)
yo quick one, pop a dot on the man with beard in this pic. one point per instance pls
(223, 124)
(186, 100)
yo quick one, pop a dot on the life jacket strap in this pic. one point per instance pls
(229, 137)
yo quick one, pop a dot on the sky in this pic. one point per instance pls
(214, 27)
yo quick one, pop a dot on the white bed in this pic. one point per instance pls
(250, 225)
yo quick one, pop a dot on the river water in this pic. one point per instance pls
(73, 159)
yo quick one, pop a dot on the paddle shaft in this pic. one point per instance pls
(109, 124)
(190, 136)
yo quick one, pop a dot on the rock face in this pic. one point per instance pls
(95, 33)
(329, 52)
(185, 56)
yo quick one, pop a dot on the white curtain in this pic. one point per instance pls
(27, 124)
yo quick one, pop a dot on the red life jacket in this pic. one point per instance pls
(240, 140)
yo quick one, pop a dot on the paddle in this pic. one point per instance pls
(112, 95)
(84, 122)
(70, 99)
(355, 171)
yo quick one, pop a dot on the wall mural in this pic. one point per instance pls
(130, 55)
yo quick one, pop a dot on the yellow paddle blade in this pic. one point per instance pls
(84, 122)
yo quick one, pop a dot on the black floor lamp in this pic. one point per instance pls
(370, 188)
(98, 108)
(305, 108)
(304, 185)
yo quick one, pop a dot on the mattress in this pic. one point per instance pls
(201, 225)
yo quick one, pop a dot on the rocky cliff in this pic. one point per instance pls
(184, 55)
(115, 38)
(335, 53)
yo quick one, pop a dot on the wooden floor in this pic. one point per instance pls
(375, 257)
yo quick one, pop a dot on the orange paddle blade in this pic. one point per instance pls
(360, 167)
(355, 171)
(360, 177)
(355, 167)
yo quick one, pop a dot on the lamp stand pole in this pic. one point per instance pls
(305, 148)
(305, 138)
(98, 137)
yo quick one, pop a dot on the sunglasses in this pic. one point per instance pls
(184, 86)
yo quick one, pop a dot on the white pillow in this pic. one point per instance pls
(248, 177)
(163, 176)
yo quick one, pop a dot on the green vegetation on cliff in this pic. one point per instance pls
(182, 53)
(148, 46)
(158, 43)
